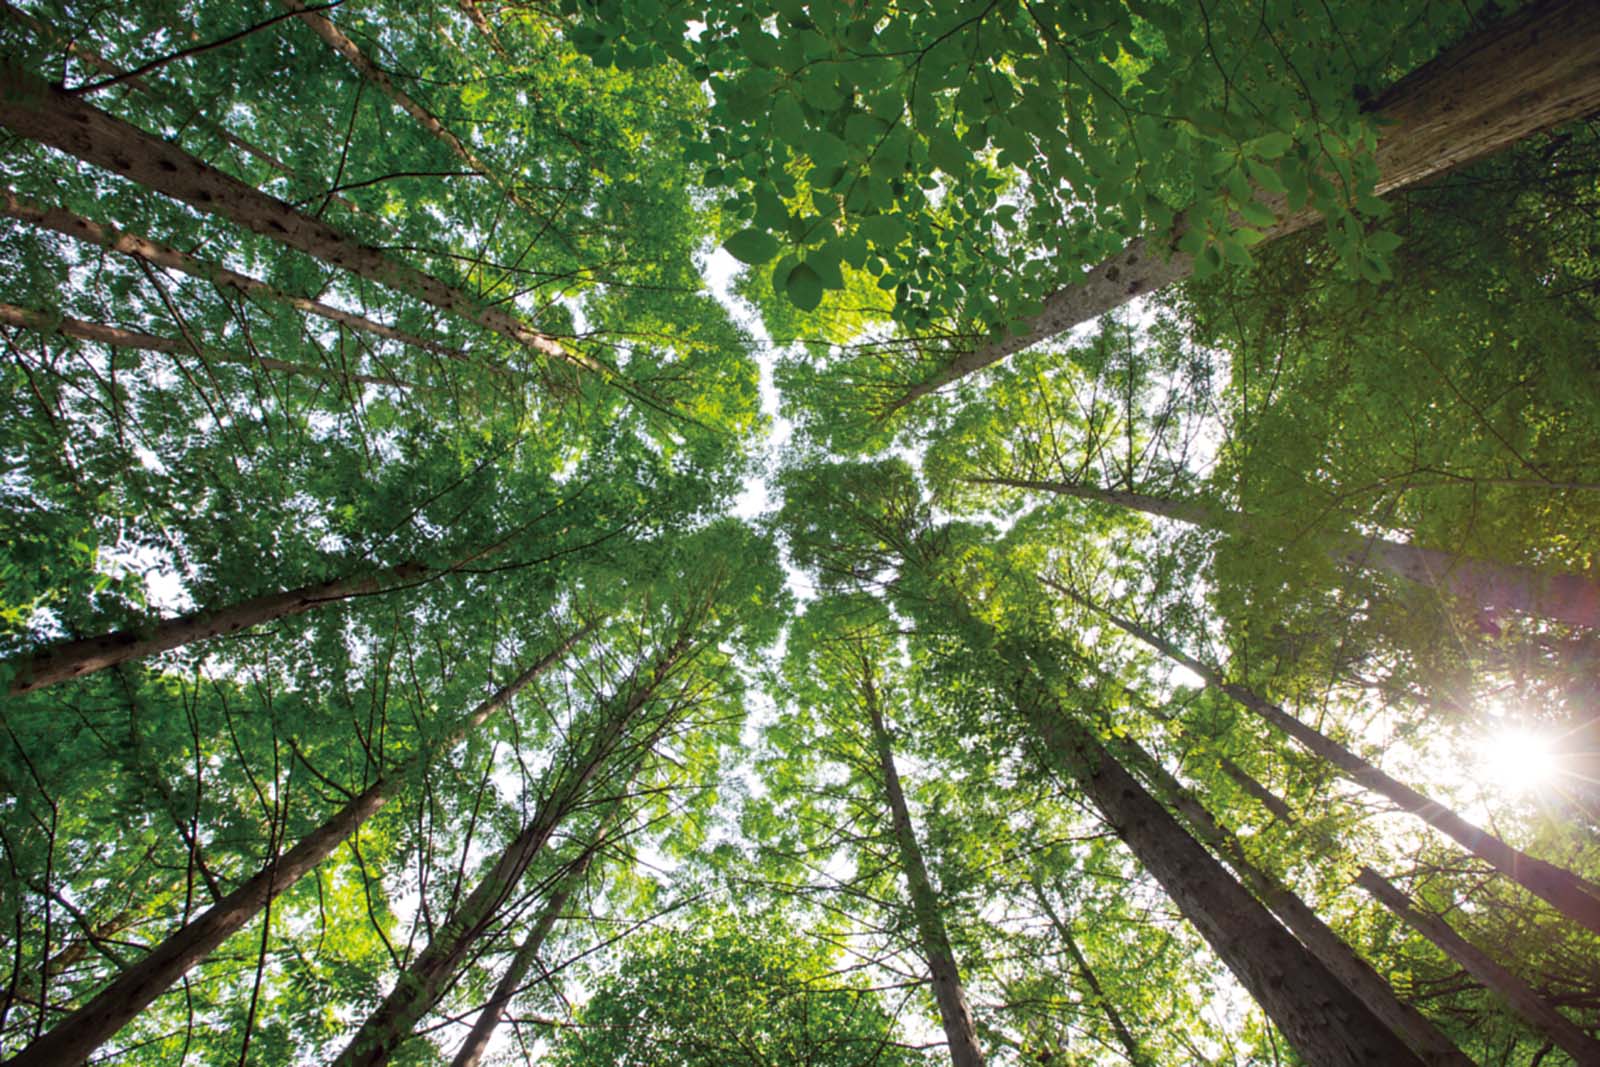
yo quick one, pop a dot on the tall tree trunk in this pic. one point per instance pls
(419, 987)
(1130, 1045)
(76, 1037)
(74, 659)
(45, 32)
(1563, 1032)
(1536, 69)
(117, 337)
(88, 231)
(1262, 795)
(1340, 959)
(948, 992)
(1569, 598)
(1574, 897)
(1320, 1017)
(36, 110)
(471, 1052)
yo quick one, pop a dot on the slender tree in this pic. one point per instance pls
(1571, 895)
(1533, 70)
(75, 1038)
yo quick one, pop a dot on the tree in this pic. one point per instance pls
(398, 667)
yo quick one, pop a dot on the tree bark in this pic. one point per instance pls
(1263, 796)
(36, 110)
(1534, 70)
(1339, 958)
(76, 1037)
(471, 1052)
(1321, 1018)
(1130, 1045)
(1569, 894)
(88, 231)
(1513, 990)
(419, 987)
(948, 992)
(1487, 585)
(117, 337)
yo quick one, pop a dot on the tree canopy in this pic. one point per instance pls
(866, 533)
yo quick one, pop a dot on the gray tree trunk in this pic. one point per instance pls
(948, 992)
(1536, 69)
(76, 1037)
(1571, 895)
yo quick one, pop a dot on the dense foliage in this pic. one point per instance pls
(486, 573)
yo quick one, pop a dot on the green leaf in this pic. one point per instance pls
(804, 287)
(752, 246)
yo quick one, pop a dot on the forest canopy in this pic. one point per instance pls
(864, 533)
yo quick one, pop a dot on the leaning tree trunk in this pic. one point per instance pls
(1560, 1030)
(1130, 1045)
(1568, 598)
(74, 659)
(117, 337)
(423, 982)
(1534, 70)
(157, 254)
(948, 992)
(1569, 894)
(41, 112)
(76, 1037)
(1320, 1017)
(1340, 959)
(1522, 998)
(511, 983)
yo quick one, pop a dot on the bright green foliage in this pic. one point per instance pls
(939, 147)
(740, 990)
(896, 182)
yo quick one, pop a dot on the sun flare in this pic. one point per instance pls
(1518, 760)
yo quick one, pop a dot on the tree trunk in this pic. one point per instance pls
(1536, 69)
(1262, 795)
(76, 658)
(419, 987)
(1568, 598)
(1340, 959)
(1130, 1045)
(76, 1037)
(116, 337)
(1574, 897)
(510, 984)
(1514, 991)
(89, 57)
(948, 991)
(36, 110)
(88, 231)
(1320, 1017)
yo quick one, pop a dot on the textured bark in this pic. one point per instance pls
(1536, 69)
(33, 109)
(74, 659)
(1324, 1021)
(471, 1052)
(76, 1037)
(117, 337)
(1486, 585)
(79, 228)
(1571, 895)
(948, 992)
(1338, 957)
(1526, 1002)
(1130, 1045)
(422, 983)
(1263, 796)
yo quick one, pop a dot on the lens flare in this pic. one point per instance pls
(1518, 760)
